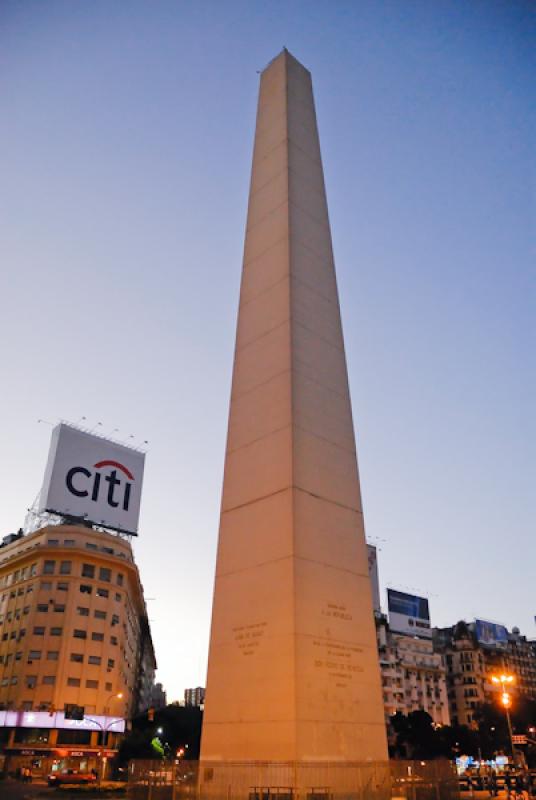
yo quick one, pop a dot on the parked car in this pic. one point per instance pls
(70, 776)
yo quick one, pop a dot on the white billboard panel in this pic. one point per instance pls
(408, 614)
(92, 478)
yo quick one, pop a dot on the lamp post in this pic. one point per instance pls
(105, 730)
(505, 680)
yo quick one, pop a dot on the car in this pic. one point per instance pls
(70, 776)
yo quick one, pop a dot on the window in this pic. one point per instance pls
(29, 589)
(53, 542)
(18, 655)
(113, 639)
(65, 567)
(91, 546)
(92, 684)
(82, 611)
(73, 737)
(68, 542)
(111, 663)
(105, 574)
(118, 597)
(108, 550)
(115, 619)
(14, 680)
(97, 637)
(108, 687)
(39, 631)
(73, 681)
(22, 633)
(27, 705)
(42, 608)
(94, 660)
(46, 586)
(63, 586)
(102, 593)
(50, 680)
(78, 634)
(100, 614)
(56, 631)
(88, 571)
(52, 655)
(31, 681)
(33, 570)
(85, 588)
(34, 655)
(49, 567)
(78, 657)
(31, 735)
(120, 579)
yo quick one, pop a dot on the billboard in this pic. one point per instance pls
(56, 719)
(491, 634)
(408, 614)
(373, 574)
(93, 478)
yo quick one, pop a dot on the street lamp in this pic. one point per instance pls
(105, 729)
(505, 680)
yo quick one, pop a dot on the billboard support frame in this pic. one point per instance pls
(88, 522)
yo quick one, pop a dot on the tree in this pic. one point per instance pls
(181, 728)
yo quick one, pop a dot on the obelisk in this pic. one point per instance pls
(293, 672)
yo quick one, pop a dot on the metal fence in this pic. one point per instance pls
(192, 780)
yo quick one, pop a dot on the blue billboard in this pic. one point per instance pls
(491, 634)
(408, 613)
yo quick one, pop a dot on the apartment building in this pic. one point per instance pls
(75, 647)
(413, 674)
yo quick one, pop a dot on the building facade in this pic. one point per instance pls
(471, 663)
(194, 697)
(72, 647)
(413, 675)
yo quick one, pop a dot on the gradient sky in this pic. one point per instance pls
(126, 134)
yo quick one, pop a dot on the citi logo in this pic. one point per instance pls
(83, 482)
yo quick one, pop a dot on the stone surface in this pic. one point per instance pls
(293, 668)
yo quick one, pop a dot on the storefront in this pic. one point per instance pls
(45, 761)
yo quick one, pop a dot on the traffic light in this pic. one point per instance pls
(150, 715)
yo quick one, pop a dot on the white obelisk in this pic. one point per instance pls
(293, 669)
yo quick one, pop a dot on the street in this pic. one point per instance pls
(15, 790)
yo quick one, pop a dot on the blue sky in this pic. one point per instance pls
(125, 145)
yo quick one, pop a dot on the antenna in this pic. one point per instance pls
(45, 421)
(94, 428)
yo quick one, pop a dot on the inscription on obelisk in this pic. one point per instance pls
(293, 669)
